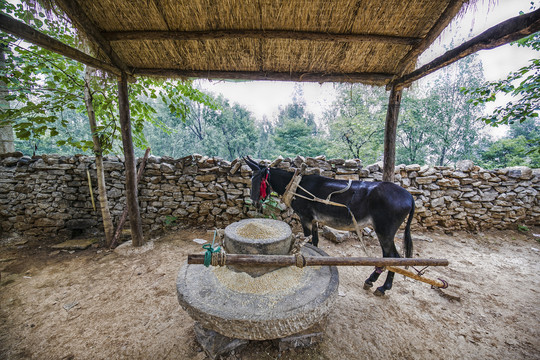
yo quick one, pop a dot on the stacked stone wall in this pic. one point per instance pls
(49, 195)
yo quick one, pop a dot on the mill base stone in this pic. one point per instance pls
(214, 344)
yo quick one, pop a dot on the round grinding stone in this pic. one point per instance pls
(277, 304)
(257, 236)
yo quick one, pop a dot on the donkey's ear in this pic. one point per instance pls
(252, 164)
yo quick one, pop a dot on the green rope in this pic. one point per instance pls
(209, 251)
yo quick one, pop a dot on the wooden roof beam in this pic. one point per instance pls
(83, 23)
(256, 34)
(372, 78)
(27, 33)
(408, 62)
(510, 30)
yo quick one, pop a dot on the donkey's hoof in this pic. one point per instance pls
(368, 285)
(378, 292)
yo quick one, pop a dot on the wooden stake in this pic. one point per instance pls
(90, 187)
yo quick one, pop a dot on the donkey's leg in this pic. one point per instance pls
(368, 284)
(388, 251)
(306, 225)
(315, 232)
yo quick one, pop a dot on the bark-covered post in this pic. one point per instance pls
(389, 161)
(132, 200)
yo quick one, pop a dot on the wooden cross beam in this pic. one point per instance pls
(510, 30)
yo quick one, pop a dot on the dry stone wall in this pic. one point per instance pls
(49, 195)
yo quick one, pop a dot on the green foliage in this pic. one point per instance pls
(46, 94)
(415, 130)
(212, 127)
(524, 87)
(455, 129)
(523, 228)
(296, 132)
(356, 127)
(295, 137)
(170, 220)
(270, 207)
(514, 149)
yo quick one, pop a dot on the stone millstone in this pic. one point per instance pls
(257, 236)
(301, 301)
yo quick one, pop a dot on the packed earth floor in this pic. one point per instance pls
(99, 304)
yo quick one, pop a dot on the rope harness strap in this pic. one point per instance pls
(209, 255)
(290, 194)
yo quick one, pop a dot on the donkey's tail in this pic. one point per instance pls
(407, 240)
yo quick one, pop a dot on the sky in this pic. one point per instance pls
(263, 98)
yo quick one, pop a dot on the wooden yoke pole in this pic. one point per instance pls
(439, 283)
(390, 132)
(290, 260)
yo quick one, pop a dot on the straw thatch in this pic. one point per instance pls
(368, 41)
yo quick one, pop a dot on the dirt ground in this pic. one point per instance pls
(98, 304)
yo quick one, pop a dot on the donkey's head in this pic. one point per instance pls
(260, 188)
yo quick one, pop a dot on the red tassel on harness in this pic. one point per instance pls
(262, 190)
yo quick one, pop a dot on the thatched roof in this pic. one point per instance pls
(368, 41)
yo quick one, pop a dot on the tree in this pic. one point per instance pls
(509, 152)
(514, 149)
(295, 137)
(297, 111)
(415, 130)
(524, 87)
(234, 129)
(356, 127)
(296, 132)
(265, 146)
(44, 86)
(6, 131)
(454, 130)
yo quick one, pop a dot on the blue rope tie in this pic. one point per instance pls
(210, 250)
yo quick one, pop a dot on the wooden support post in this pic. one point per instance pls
(132, 200)
(123, 218)
(392, 114)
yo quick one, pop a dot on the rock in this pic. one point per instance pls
(127, 248)
(352, 163)
(277, 161)
(301, 340)
(413, 167)
(465, 165)
(334, 235)
(520, 172)
(373, 168)
(426, 179)
(448, 182)
(75, 244)
(437, 202)
(214, 344)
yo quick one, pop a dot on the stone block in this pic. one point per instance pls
(214, 344)
(334, 235)
(412, 167)
(425, 180)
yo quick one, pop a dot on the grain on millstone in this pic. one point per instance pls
(278, 281)
(254, 230)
